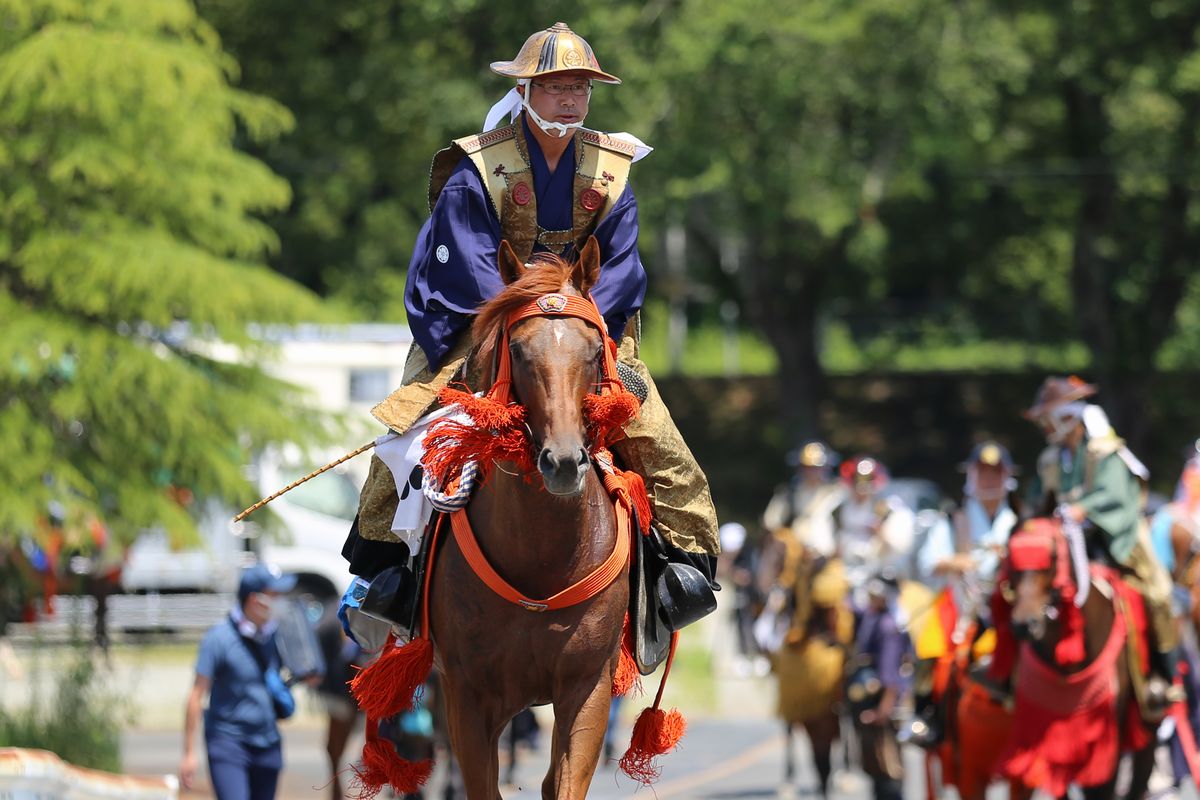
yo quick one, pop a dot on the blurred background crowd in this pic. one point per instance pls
(872, 223)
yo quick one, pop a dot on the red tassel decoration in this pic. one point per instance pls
(496, 433)
(607, 414)
(381, 765)
(386, 687)
(655, 733)
(626, 677)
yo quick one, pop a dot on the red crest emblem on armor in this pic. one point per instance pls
(521, 194)
(591, 199)
(552, 303)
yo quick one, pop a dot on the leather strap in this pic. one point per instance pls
(585, 589)
(556, 305)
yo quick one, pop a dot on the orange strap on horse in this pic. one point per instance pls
(585, 589)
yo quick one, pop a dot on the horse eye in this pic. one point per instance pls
(515, 352)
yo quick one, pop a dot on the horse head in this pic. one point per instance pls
(554, 360)
(1038, 575)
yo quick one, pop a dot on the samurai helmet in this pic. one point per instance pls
(556, 49)
(989, 454)
(812, 453)
(1059, 406)
(864, 471)
(1055, 392)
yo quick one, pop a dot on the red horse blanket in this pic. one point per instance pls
(1065, 727)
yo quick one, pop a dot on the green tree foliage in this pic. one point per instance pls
(788, 129)
(922, 173)
(377, 87)
(126, 210)
(1109, 162)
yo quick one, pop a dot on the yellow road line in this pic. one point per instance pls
(686, 786)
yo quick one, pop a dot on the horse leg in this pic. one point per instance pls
(1143, 765)
(510, 774)
(822, 732)
(475, 728)
(580, 719)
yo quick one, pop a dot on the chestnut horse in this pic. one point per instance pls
(1039, 613)
(541, 534)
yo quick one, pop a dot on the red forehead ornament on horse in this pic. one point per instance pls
(526, 602)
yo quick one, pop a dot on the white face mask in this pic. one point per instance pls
(273, 607)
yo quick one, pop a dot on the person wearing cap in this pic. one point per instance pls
(982, 524)
(238, 669)
(874, 530)
(1087, 471)
(877, 684)
(802, 510)
(545, 184)
(987, 516)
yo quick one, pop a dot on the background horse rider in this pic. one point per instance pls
(800, 522)
(1087, 469)
(982, 525)
(807, 623)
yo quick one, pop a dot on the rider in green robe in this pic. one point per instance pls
(1089, 472)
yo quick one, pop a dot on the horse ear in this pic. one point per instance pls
(511, 267)
(587, 268)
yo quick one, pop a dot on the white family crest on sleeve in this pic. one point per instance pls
(442, 253)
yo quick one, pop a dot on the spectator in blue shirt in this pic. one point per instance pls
(238, 668)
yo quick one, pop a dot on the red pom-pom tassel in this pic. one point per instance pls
(655, 733)
(381, 765)
(386, 687)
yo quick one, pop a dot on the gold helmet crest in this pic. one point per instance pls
(556, 49)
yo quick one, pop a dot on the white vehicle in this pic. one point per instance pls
(347, 369)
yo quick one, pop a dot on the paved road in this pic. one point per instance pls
(717, 760)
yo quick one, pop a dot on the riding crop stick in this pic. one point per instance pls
(307, 477)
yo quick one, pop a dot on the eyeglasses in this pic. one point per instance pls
(555, 89)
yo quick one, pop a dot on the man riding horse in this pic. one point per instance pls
(1089, 472)
(544, 184)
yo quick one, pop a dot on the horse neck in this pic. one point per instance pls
(1098, 619)
(537, 541)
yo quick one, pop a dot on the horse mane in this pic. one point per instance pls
(547, 273)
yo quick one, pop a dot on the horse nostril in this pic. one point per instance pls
(546, 461)
(582, 459)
